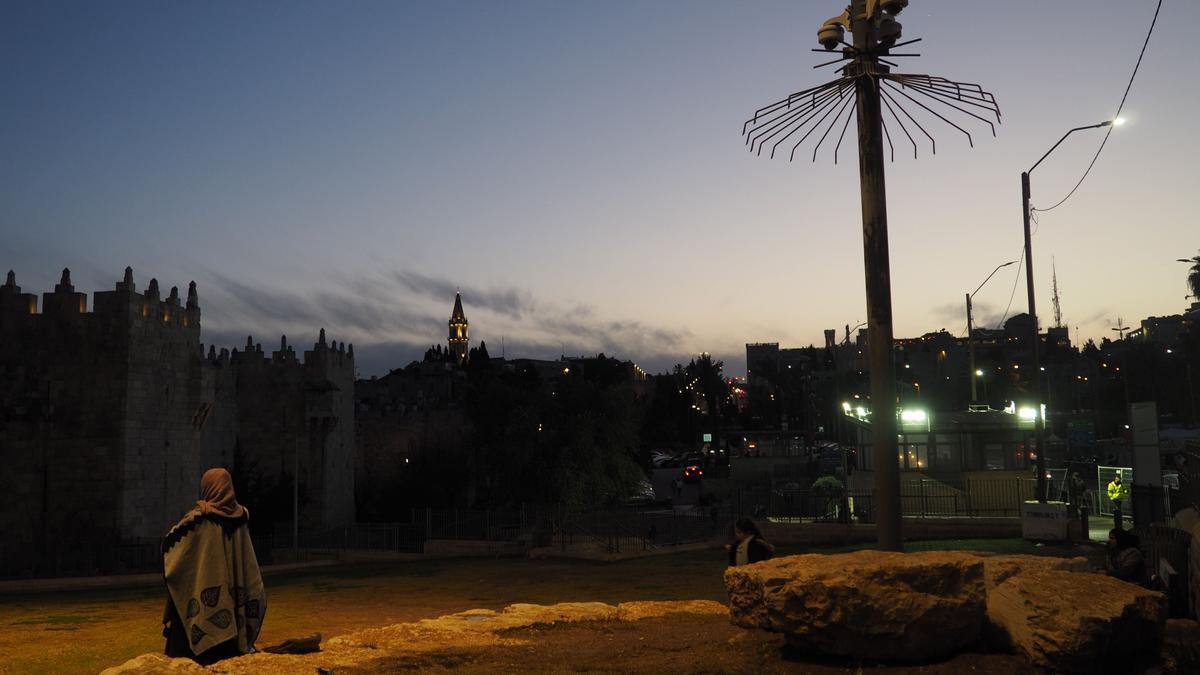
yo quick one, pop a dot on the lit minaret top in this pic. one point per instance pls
(458, 330)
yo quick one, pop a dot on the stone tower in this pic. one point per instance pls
(458, 330)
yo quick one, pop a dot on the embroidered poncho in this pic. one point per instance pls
(214, 582)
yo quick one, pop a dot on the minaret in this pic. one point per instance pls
(458, 330)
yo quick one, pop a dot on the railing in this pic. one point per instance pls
(124, 558)
(922, 498)
(395, 537)
(626, 531)
(479, 525)
(1166, 550)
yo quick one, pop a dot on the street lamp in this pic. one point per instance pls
(1040, 422)
(970, 330)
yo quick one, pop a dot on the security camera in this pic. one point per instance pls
(833, 31)
(893, 6)
(830, 36)
(888, 31)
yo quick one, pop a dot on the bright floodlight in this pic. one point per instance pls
(1118, 121)
(978, 373)
(912, 416)
(1027, 413)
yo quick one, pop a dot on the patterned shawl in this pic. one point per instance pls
(213, 579)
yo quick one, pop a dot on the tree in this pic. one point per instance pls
(1193, 277)
(572, 442)
(705, 376)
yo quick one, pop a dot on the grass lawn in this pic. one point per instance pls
(86, 631)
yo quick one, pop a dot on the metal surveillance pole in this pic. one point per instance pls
(867, 81)
(1039, 421)
(880, 355)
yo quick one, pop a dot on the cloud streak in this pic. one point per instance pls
(392, 318)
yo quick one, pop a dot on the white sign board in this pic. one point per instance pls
(1046, 522)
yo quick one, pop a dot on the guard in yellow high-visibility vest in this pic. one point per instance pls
(1118, 494)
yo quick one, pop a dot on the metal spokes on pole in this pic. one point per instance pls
(911, 101)
(864, 89)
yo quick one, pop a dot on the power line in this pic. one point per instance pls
(1016, 278)
(1119, 108)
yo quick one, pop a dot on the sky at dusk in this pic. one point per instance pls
(576, 169)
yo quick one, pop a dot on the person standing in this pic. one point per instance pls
(748, 544)
(1118, 494)
(215, 596)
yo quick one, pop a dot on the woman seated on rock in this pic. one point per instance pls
(1125, 560)
(748, 544)
(215, 597)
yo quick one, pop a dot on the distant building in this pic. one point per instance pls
(953, 446)
(1167, 330)
(459, 338)
(109, 417)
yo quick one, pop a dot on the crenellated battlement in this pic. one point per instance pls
(334, 356)
(123, 303)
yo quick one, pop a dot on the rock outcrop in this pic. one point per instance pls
(1076, 622)
(866, 604)
(999, 568)
(476, 628)
(154, 663)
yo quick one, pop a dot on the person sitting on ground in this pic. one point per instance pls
(748, 544)
(1125, 560)
(215, 597)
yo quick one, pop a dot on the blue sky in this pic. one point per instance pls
(575, 168)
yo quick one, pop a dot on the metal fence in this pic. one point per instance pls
(394, 537)
(1166, 550)
(631, 531)
(20, 561)
(921, 498)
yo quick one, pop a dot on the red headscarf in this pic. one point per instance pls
(216, 495)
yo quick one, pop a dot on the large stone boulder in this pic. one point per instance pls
(1076, 622)
(866, 604)
(999, 568)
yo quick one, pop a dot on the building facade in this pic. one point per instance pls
(109, 416)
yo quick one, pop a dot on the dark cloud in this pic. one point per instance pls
(1097, 317)
(391, 321)
(506, 301)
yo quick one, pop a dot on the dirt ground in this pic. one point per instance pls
(680, 643)
(84, 632)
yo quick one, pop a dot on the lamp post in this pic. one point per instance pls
(1039, 423)
(971, 330)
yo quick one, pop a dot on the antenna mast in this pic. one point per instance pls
(1057, 307)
